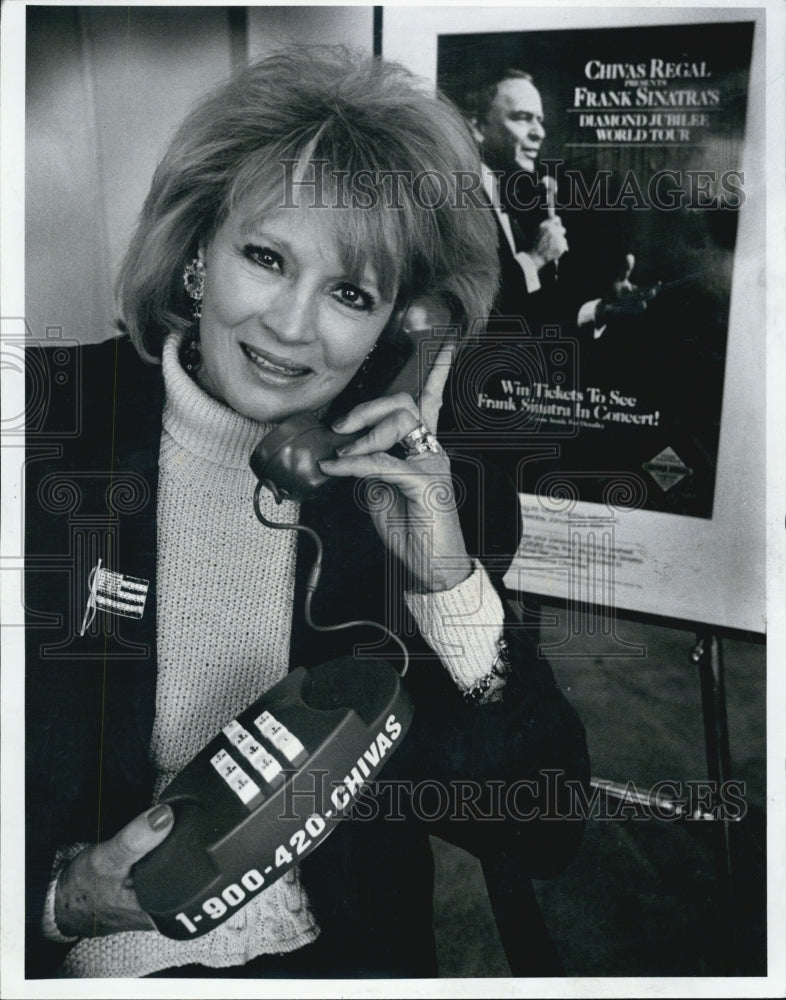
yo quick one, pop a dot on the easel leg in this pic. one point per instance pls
(707, 655)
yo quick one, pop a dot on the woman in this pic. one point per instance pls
(272, 271)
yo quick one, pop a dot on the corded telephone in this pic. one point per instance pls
(276, 780)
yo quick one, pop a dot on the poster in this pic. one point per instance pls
(638, 148)
(629, 434)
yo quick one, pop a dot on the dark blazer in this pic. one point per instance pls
(92, 465)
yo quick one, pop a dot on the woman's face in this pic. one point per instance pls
(284, 327)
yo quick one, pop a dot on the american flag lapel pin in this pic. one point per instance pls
(115, 593)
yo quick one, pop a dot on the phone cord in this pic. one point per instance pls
(313, 582)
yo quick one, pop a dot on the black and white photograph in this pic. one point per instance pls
(393, 500)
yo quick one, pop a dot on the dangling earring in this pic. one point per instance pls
(194, 282)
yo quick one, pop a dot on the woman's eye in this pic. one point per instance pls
(264, 257)
(354, 297)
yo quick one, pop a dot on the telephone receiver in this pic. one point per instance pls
(286, 460)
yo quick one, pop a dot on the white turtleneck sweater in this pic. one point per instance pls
(222, 645)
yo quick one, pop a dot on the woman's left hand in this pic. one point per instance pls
(419, 522)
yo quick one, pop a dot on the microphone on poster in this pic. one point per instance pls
(549, 185)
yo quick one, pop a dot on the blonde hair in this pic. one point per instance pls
(278, 123)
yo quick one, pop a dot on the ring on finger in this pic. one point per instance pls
(419, 441)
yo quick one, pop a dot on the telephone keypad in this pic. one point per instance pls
(263, 762)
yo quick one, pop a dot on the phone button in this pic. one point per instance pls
(281, 738)
(235, 777)
(264, 762)
(238, 736)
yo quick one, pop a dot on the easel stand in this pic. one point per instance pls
(707, 655)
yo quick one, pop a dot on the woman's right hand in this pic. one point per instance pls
(95, 893)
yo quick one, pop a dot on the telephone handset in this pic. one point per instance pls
(286, 460)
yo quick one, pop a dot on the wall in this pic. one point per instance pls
(106, 88)
(270, 27)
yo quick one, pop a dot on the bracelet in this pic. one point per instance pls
(499, 668)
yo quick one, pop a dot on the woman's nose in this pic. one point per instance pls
(290, 315)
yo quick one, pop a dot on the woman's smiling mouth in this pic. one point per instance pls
(277, 368)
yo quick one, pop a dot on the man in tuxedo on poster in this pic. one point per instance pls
(579, 275)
